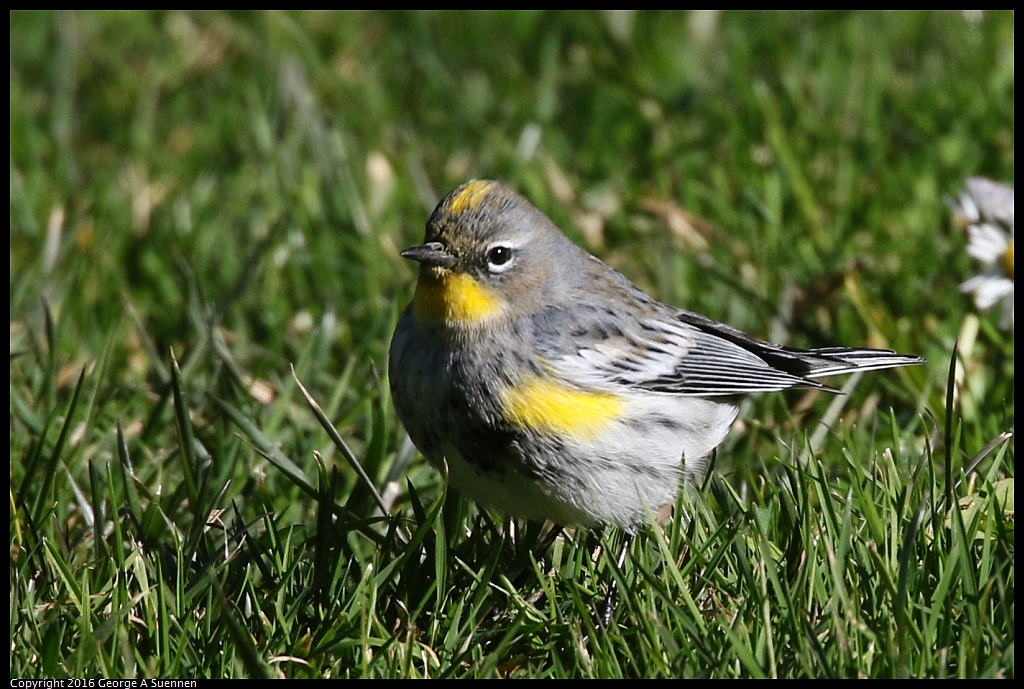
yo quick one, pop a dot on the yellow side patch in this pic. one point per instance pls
(442, 295)
(469, 197)
(1008, 260)
(544, 405)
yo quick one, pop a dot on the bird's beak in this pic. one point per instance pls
(432, 254)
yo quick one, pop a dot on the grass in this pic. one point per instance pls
(201, 201)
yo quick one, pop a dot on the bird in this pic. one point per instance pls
(547, 386)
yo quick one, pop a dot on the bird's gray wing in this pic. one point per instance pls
(683, 353)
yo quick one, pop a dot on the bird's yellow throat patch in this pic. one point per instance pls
(455, 298)
(547, 406)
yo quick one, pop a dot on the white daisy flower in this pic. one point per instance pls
(986, 207)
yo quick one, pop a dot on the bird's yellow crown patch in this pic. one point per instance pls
(470, 196)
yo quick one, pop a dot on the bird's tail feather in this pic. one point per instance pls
(839, 360)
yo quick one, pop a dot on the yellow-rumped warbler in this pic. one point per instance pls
(555, 389)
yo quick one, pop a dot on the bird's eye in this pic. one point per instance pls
(499, 258)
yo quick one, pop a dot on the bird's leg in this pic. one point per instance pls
(608, 607)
